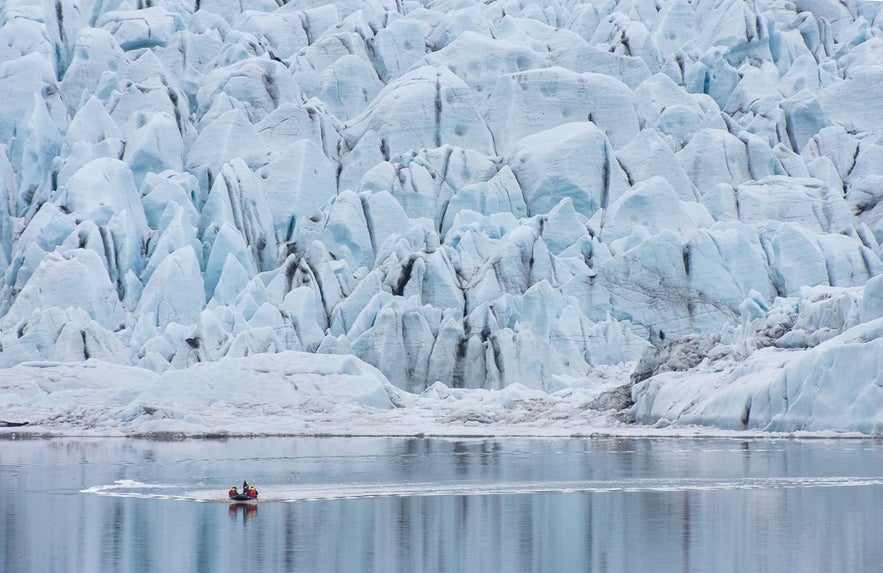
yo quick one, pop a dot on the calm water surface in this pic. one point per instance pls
(414, 505)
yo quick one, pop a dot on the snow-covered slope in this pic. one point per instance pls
(477, 194)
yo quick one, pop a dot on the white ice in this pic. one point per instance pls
(430, 217)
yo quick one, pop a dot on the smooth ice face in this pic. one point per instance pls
(650, 207)
(99, 190)
(175, 291)
(20, 80)
(425, 108)
(76, 279)
(572, 160)
(529, 102)
(297, 183)
(230, 136)
(478, 195)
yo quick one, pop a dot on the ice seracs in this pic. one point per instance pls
(485, 195)
(752, 382)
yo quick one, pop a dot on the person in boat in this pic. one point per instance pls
(233, 492)
(247, 490)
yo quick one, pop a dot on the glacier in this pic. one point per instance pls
(441, 216)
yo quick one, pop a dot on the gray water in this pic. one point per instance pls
(414, 505)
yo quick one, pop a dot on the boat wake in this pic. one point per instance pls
(288, 493)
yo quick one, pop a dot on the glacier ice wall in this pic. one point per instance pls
(477, 193)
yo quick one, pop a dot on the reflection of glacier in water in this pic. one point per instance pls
(288, 493)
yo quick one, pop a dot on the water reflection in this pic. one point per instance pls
(673, 505)
(242, 509)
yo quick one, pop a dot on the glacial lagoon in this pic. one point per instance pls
(434, 505)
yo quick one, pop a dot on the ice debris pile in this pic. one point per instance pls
(809, 363)
(472, 193)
